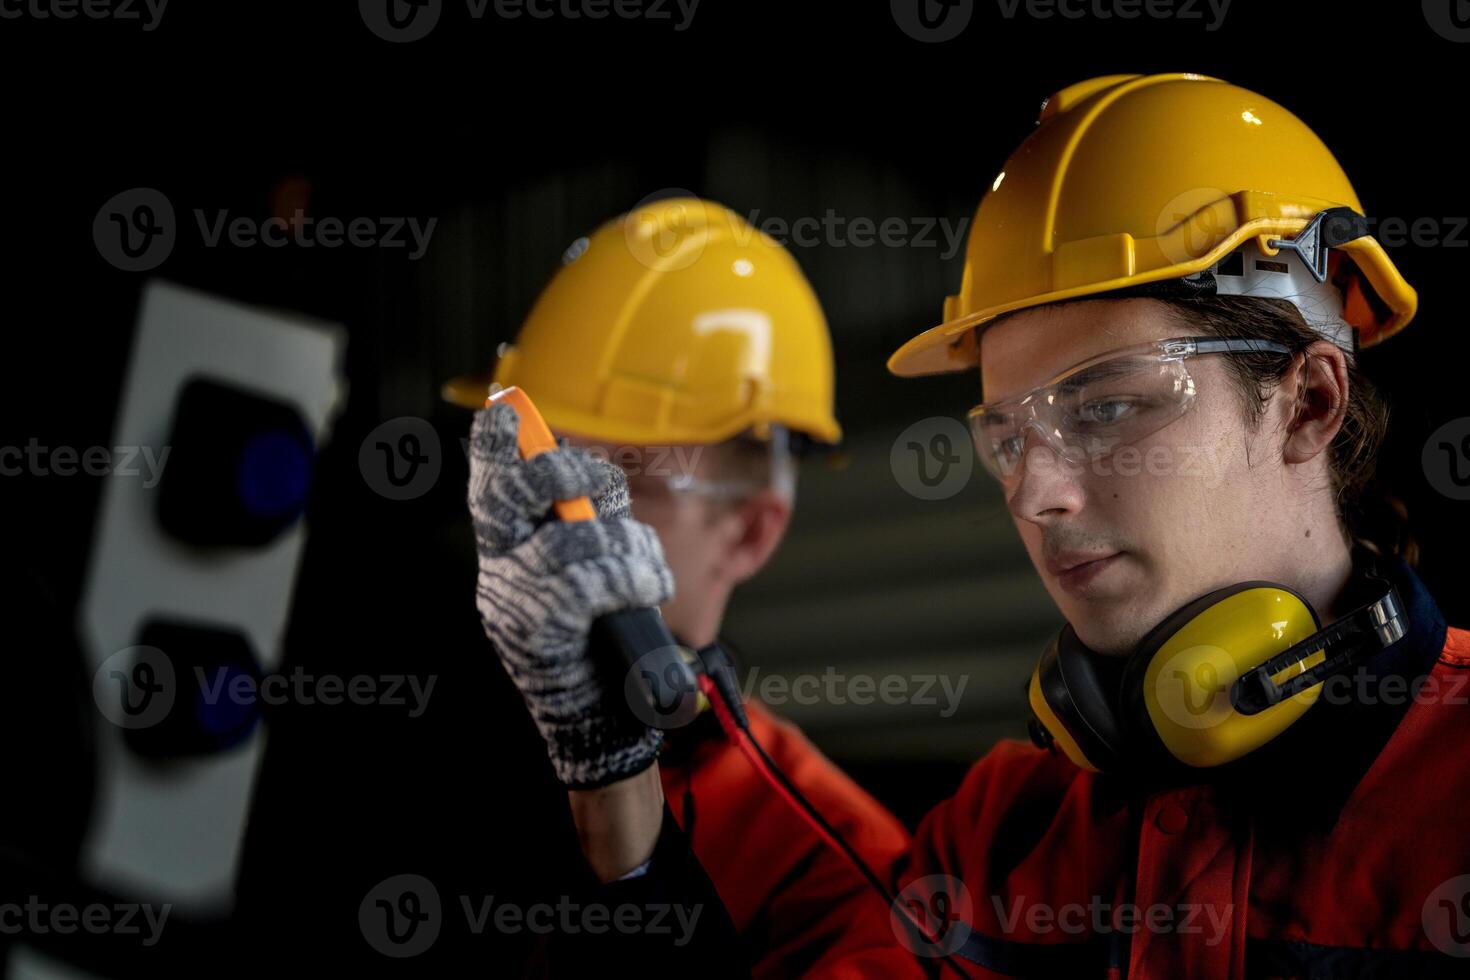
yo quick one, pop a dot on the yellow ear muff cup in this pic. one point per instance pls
(1177, 685)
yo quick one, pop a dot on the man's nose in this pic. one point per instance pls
(1045, 487)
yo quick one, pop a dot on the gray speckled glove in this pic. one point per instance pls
(542, 584)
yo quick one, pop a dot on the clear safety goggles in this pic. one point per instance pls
(1101, 404)
(674, 476)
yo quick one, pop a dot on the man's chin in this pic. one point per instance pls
(1111, 629)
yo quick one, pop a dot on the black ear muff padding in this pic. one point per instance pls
(1073, 687)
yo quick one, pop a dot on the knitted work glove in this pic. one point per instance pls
(542, 583)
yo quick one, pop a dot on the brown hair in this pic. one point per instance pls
(1367, 511)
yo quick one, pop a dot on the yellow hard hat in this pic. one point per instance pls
(676, 323)
(1132, 179)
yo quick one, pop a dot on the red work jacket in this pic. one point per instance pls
(1342, 849)
(786, 891)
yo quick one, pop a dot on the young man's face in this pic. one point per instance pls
(1202, 503)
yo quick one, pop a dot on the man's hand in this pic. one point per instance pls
(542, 583)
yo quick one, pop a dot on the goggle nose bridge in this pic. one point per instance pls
(1052, 439)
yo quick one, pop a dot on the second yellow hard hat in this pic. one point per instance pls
(678, 322)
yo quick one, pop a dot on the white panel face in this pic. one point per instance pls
(175, 832)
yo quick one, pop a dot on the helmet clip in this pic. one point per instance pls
(1329, 228)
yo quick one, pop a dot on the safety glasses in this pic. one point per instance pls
(1101, 404)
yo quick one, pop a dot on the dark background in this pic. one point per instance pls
(519, 136)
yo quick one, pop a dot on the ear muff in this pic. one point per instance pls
(1176, 697)
(1215, 680)
(1071, 704)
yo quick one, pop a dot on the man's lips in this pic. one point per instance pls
(1066, 561)
(1075, 573)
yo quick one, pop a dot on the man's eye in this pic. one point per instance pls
(1104, 411)
(1009, 448)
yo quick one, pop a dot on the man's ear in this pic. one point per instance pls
(1318, 377)
(758, 523)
